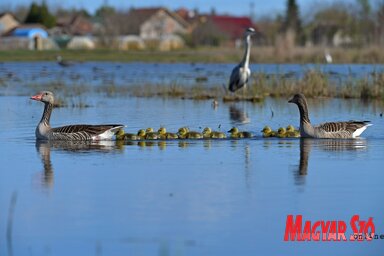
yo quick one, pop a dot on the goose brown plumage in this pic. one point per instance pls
(83, 132)
(331, 130)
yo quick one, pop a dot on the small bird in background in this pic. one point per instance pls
(64, 63)
(241, 73)
(328, 56)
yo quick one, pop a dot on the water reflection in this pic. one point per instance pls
(238, 115)
(44, 150)
(306, 146)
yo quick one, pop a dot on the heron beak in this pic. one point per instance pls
(37, 97)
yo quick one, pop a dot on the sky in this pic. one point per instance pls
(234, 7)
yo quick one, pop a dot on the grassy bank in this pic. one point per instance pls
(370, 55)
(313, 84)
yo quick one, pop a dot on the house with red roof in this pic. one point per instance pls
(232, 26)
(215, 29)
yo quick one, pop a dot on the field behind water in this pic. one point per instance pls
(259, 54)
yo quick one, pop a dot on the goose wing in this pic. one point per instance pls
(343, 129)
(84, 131)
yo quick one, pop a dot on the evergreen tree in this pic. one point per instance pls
(33, 14)
(292, 20)
(40, 14)
(105, 11)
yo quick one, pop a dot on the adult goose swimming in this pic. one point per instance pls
(82, 132)
(344, 130)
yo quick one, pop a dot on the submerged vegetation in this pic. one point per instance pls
(312, 84)
(73, 90)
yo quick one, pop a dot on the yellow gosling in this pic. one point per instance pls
(209, 134)
(164, 135)
(236, 134)
(121, 135)
(268, 132)
(141, 133)
(194, 135)
(292, 132)
(131, 136)
(182, 133)
(185, 134)
(281, 132)
(150, 134)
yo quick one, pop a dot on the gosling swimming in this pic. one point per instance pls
(209, 134)
(164, 135)
(236, 134)
(184, 133)
(292, 132)
(121, 135)
(268, 132)
(281, 132)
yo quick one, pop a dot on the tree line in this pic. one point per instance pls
(358, 23)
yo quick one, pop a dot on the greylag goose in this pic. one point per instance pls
(241, 73)
(80, 132)
(332, 130)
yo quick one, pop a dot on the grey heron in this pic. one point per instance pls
(241, 73)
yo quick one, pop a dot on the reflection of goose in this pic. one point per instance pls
(70, 132)
(45, 154)
(345, 130)
(306, 145)
(44, 149)
(238, 115)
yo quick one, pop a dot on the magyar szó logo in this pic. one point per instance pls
(330, 230)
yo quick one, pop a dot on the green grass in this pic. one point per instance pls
(370, 55)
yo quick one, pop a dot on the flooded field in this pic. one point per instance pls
(204, 197)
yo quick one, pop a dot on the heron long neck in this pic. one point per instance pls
(245, 60)
(303, 108)
(46, 114)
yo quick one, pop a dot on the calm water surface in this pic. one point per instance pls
(227, 197)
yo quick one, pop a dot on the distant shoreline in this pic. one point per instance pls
(369, 55)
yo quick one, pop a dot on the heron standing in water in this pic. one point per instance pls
(241, 73)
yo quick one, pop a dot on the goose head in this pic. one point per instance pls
(44, 96)
(298, 99)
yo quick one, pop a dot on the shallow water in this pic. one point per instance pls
(137, 73)
(217, 197)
